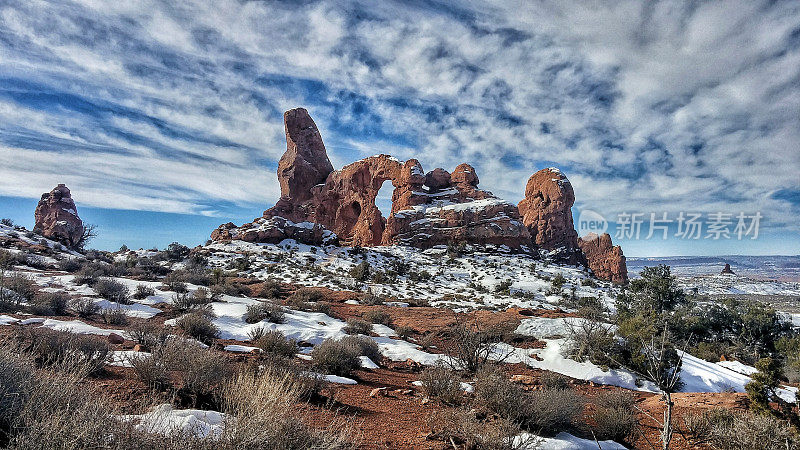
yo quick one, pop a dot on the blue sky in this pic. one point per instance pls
(164, 118)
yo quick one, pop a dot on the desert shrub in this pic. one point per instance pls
(558, 281)
(495, 392)
(203, 295)
(203, 370)
(54, 411)
(183, 301)
(321, 307)
(442, 383)
(176, 252)
(728, 430)
(264, 311)
(174, 282)
(69, 265)
(378, 315)
(335, 357)
(261, 405)
(77, 353)
(36, 261)
(461, 428)
(92, 271)
(273, 342)
(114, 316)
(152, 370)
(51, 303)
(554, 380)
(143, 291)
(552, 410)
(198, 326)
(471, 345)
(304, 295)
(22, 288)
(270, 289)
(111, 290)
(361, 271)
(503, 287)
(230, 288)
(357, 326)
(148, 334)
(84, 307)
(614, 416)
(405, 332)
(363, 346)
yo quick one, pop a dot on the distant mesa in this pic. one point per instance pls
(57, 218)
(727, 270)
(321, 206)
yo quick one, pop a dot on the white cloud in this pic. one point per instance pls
(665, 105)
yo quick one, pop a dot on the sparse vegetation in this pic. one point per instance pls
(357, 326)
(335, 357)
(273, 342)
(84, 307)
(198, 326)
(111, 290)
(264, 311)
(442, 383)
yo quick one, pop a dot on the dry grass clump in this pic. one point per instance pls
(547, 411)
(64, 351)
(442, 383)
(462, 429)
(264, 311)
(615, 416)
(148, 334)
(357, 326)
(198, 326)
(262, 411)
(273, 342)
(335, 357)
(729, 430)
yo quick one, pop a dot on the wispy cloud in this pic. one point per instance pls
(168, 106)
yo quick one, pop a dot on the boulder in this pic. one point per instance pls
(727, 270)
(604, 258)
(56, 217)
(547, 212)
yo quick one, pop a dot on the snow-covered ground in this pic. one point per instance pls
(460, 282)
(468, 281)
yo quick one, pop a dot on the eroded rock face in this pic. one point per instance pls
(305, 163)
(547, 212)
(604, 258)
(57, 217)
(442, 208)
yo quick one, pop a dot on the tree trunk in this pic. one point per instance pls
(666, 431)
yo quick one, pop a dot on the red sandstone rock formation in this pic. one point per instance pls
(547, 212)
(604, 258)
(57, 217)
(321, 206)
(305, 163)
